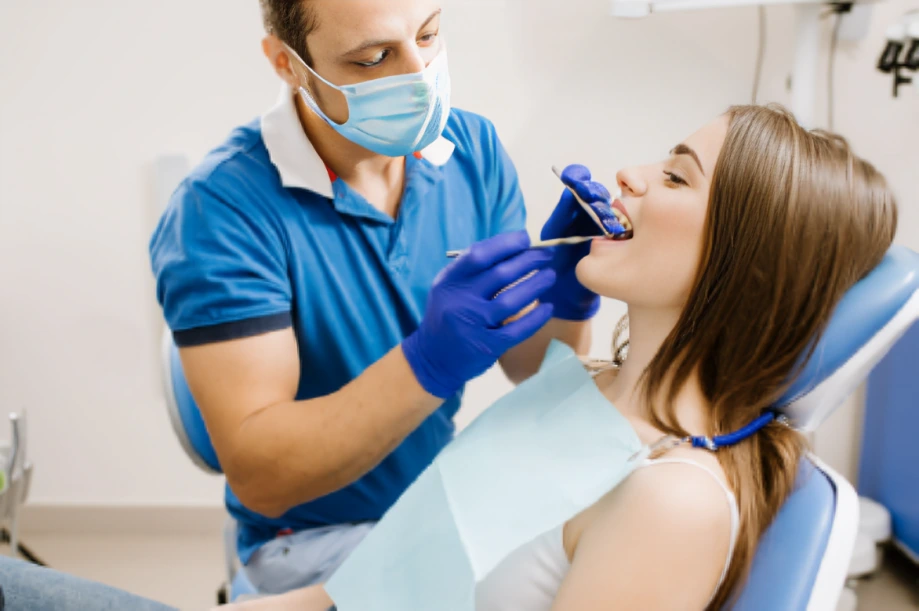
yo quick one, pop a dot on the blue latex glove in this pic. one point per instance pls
(462, 333)
(569, 297)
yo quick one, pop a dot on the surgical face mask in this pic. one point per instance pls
(395, 115)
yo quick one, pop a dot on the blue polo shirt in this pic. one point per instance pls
(262, 237)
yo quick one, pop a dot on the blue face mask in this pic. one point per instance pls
(395, 115)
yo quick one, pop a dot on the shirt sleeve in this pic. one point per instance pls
(220, 267)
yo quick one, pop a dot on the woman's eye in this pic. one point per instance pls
(376, 61)
(674, 178)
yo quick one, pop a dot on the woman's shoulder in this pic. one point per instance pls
(670, 517)
(685, 486)
(684, 489)
(702, 463)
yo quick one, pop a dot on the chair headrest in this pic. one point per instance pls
(868, 321)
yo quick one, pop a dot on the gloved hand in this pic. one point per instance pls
(462, 333)
(571, 300)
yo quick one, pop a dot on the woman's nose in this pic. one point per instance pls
(631, 183)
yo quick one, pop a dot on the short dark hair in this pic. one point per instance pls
(291, 21)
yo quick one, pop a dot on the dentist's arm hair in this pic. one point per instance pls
(658, 541)
(278, 453)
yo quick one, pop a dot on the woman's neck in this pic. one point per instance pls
(648, 328)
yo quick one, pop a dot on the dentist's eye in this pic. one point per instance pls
(376, 61)
(674, 178)
(427, 39)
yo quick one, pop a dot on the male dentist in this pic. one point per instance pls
(301, 268)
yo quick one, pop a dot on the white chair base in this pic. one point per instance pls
(866, 558)
(848, 601)
(873, 520)
(873, 530)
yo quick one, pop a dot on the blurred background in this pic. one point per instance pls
(101, 100)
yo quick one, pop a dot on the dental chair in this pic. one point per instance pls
(189, 428)
(803, 558)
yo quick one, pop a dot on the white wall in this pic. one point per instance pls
(92, 92)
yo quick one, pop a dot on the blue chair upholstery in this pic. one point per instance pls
(869, 319)
(241, 586)
(890, 454)
(794, 564)
(186, 417)
(791, 550)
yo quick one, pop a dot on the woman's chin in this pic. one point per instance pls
(596, 274)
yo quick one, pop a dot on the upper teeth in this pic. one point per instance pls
(622, 218)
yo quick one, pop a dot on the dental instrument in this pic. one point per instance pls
(614, 224)
(452, 254)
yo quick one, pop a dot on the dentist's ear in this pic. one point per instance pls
(279, 58)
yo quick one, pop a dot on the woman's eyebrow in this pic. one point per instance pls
(682, 149)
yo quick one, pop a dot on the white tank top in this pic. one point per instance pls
(528, 579)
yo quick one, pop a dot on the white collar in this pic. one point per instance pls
(296, 159)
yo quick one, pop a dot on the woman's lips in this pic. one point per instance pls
(618, 205)
(604, 242)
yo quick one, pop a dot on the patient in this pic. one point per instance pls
(746, 237)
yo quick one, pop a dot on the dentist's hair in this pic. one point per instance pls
(291, 21)
(794, 220)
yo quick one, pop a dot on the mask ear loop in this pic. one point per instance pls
(308, 95)
(311, 71)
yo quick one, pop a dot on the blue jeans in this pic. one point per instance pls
(26, 587)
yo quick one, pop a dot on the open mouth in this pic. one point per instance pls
(614, 221)
(624, 229)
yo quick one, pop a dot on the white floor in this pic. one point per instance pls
(185, 571)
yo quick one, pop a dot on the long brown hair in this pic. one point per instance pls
(794, 220)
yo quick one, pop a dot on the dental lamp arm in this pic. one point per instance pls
(642, 8)
(807, 39)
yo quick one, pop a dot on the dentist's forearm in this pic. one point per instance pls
(524, 360)
(294, 452)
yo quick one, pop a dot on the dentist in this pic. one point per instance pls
(301, 268)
